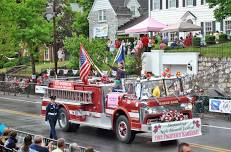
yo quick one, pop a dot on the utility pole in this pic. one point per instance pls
(55, 38)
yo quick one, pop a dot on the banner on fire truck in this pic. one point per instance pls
(176, 130)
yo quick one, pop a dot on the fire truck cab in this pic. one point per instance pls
(128, 111)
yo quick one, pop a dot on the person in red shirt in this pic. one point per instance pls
(145, 41)
(117, 44)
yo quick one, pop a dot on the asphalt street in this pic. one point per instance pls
(24, 114)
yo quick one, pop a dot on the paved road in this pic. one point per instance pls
(23, 114)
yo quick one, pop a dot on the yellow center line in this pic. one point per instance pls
(210, 148)
(206, 147)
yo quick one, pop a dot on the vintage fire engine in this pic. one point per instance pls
(128, 111)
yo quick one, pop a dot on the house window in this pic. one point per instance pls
(101, 15)
(156, 4)
(172, 36)
(172, 3)
(46, 55)
(228, 27)
(208, 27)
(133, 9)
(189, 2)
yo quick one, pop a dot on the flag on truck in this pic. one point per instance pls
(120, 57)
(85, 65)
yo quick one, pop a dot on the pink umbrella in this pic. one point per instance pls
(148, 25)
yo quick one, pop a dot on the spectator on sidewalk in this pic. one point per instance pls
(184, 147)
(145, 41)
(37, 145)
(26, 144)
(5, 136)
(60, 145)
(74, 147)
(89, 149)
(11, 141)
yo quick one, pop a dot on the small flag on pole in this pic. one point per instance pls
(85, 65)
(120, 57)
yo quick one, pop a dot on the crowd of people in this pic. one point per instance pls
(158, 41)
(9, 140)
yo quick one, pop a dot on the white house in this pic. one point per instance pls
(157, 61)
(193, 11)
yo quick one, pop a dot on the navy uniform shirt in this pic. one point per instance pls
(52, 111)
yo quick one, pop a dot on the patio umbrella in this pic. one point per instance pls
(181, 27)
(148, 25)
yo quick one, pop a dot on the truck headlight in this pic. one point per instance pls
(150, 111)
(186, 106)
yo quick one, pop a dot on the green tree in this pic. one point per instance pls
(222, 8)
(81, 24)
(96, 50)
(8, 45)
(32, 29)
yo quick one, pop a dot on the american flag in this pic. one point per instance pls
(85, 65)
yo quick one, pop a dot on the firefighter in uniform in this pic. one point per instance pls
(52, 114)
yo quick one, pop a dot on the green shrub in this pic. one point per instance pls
(210, 39)
(96, 49)
(10, 64)
(24, 60)
(223, 37)
(196, 42)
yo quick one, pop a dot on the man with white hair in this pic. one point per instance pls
(37, 145)
(60, 145)
(74, 147)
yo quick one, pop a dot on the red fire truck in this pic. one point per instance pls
(130, 110)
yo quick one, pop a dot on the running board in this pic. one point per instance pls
(104, 122)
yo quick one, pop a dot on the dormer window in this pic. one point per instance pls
(156, 4)
(102, 16)
(172, 3)
(189, 2)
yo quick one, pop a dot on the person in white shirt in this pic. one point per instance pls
(60, 145)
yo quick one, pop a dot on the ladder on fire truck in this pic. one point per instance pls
(75, 96)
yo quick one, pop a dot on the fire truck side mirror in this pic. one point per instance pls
(189, 66)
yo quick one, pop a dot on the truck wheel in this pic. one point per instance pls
(123, 130)
(64, 123)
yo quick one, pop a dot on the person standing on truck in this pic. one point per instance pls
(52, 114)
(120, 71)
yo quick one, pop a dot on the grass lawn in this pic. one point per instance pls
(217, 50)
(39, 68)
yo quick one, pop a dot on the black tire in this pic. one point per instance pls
(123, 130)
(64, 122)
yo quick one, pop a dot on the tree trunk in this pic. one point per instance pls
(32, 63)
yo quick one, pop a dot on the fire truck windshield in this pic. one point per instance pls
(155, 88)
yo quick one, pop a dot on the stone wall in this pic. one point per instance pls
(213, 73)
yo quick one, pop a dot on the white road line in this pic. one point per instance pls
(26, 101)
(218, 127)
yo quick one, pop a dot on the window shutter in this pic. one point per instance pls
(166, 4)
(151, 3)
(221, 26)
(194, 2)
(177, 3)
(202, 28)
(183, 3)
(202, 2)
(214, 26)
(161, 3)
